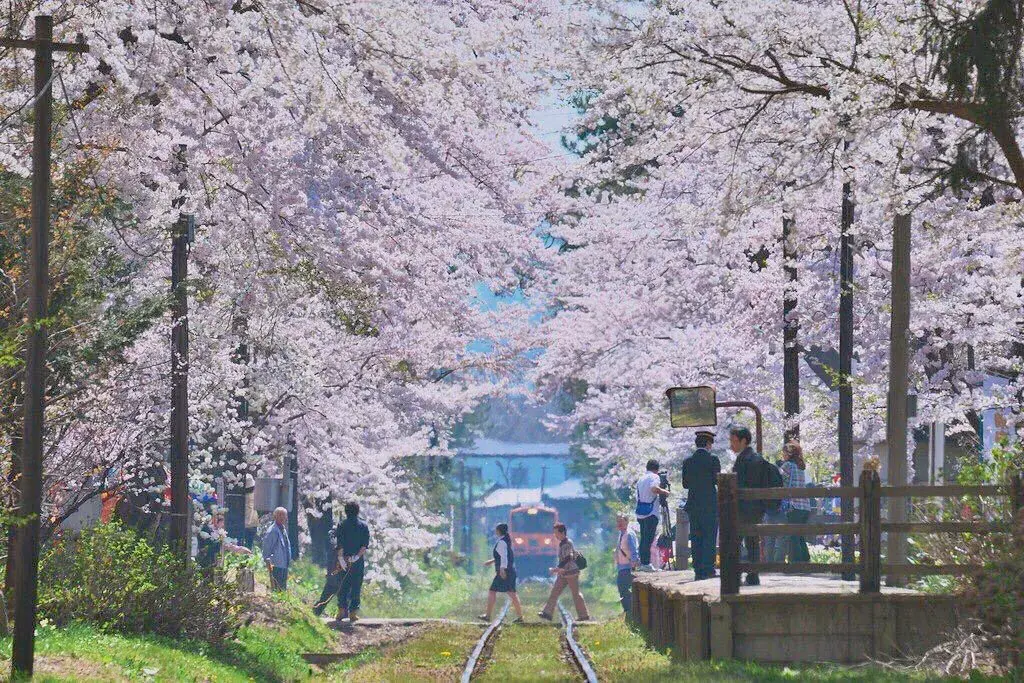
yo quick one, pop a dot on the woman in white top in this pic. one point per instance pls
(504, 562)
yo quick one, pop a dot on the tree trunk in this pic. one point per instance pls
(791, 327)
(846, 363)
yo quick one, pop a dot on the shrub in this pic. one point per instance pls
(113, 578)
(999, 597)
(966, 548)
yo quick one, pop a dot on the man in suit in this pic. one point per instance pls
(277, 550)
(700, 478)
(750, 469)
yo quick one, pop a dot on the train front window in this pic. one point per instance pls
(539, 522)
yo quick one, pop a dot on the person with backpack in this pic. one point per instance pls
(567, 573)
(796, 510)
(648, 488)
(700, 478)
(752, 472)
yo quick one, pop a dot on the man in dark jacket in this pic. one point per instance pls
(700, 478)
(750, 470)
(350, 539)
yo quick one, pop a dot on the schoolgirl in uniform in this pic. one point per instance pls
(504, 562)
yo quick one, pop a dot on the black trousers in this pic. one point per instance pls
(752, 543)
(648, 529)
(351, 587)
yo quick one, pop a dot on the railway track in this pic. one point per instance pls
(473, 663)
(579, 658)
(575, 653)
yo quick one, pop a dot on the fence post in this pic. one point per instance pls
(728, 538)
(870, 532)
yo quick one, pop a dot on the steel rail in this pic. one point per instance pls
(574, 648)
(474, 658)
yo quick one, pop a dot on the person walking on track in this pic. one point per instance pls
(700, 478)
(648, 489)
(350, 542)
(504, 562)
(277, 550)
(567, 573)
(626, 560)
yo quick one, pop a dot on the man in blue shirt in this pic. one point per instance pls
(277, 550)
(627, 557)
(700, 478)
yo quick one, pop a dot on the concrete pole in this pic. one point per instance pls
(899, 369)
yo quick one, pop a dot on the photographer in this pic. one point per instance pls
(648, 489)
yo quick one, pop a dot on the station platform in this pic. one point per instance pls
(788, 619)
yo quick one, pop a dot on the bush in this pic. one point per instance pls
(967, 548)
(113, 578)
(999, 596)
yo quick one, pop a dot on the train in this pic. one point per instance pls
(533, 540)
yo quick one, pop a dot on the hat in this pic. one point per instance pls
(705, 430)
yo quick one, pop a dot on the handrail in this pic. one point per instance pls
(797, 529)
(800, 567)
(869, 527)
(978, 527)
(798, 492)
(944, 491)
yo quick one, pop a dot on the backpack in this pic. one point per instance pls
(581, 562)
(771, 478)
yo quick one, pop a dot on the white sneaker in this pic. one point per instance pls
(645, 568)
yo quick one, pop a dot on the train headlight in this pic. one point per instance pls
(547, 541)
(520, 540)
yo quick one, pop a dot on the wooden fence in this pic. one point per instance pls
(868, 528)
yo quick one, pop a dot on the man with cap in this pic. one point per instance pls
(700, 478)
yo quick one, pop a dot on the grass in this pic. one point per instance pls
(528, 653)
(438, 655)
(619, 654)
(443, 594)
(260, 652)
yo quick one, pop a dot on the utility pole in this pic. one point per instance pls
(31, 482)
(899, 382)
(846, 365)
(181, 513)
(790, 329)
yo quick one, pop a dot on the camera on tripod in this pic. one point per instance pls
(664, 483)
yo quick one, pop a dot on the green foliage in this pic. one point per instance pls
(999, 595)
(968, 548)
(111, 577)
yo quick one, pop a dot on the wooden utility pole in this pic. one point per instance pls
(899, 369)
(181, 513)
(790, 330)
(31, 482)
(846, 366)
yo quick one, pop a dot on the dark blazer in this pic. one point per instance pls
(750, 468)
(700, 478)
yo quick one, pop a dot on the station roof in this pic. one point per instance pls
(511, 448)
(570, 489)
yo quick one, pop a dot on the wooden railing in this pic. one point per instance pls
(868, 529)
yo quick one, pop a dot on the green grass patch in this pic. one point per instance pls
(269, 651)
(619, 654)
(528, 653)
(438, 655)
(444, 593)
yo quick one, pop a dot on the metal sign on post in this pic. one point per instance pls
(697, 407)
(692, 406)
